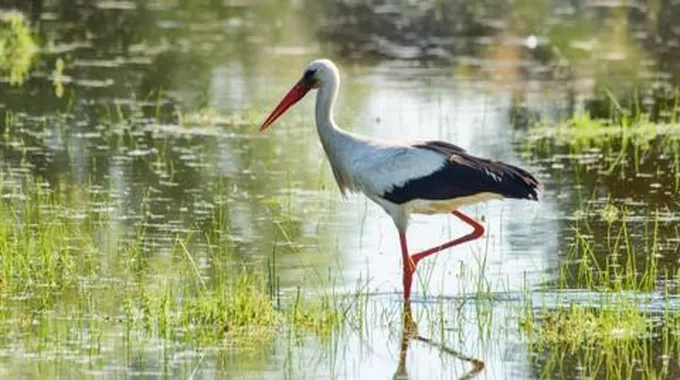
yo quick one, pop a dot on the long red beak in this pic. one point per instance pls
(293, 96)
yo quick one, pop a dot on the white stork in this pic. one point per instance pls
(423, 177)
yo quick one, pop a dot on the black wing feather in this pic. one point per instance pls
(465, 175)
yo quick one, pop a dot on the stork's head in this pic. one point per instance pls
(319, 73)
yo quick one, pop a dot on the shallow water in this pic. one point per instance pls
(159, 112)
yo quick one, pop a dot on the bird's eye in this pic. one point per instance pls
(309, 74)
(309, 78)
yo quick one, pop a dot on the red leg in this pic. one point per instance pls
(410, 261)
(478, 230)
(409, 267)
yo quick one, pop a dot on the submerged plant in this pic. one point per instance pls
(579, 326)
(17, 46)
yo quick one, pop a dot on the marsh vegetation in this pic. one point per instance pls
(148, 230)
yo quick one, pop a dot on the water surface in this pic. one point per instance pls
(157, 106)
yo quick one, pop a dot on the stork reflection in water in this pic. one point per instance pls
(409, 334)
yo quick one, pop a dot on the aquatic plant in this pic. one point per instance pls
(618, 148)
(53, 247)
(612, 330)
(17, 46)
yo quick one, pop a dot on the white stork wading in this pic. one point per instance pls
(424, 177)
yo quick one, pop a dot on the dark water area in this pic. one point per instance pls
(629, 49)
(156, 105)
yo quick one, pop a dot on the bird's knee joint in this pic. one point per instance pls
(479, 230)
(411, 265)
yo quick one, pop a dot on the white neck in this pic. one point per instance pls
(337, 143)
(325, 100)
